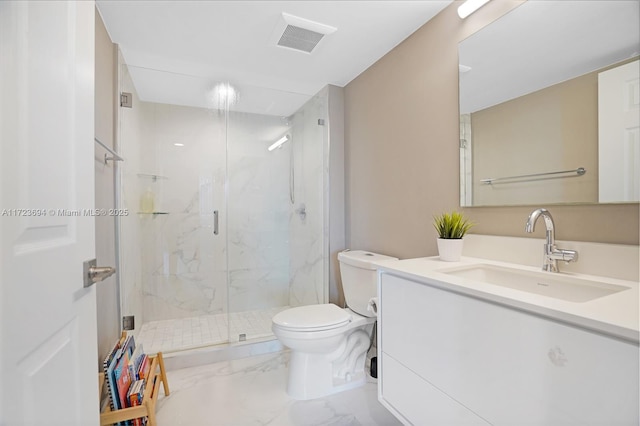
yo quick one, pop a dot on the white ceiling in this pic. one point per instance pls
(199, 43)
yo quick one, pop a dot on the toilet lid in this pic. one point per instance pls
(312, 317)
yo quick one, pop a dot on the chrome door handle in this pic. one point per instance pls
(93, 274)
(215, 222)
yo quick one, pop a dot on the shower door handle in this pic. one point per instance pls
(215, 222)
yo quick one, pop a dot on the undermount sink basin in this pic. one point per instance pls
(548, 284)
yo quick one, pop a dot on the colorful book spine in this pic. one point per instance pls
(134, 397)
(107, 376)
(112, 382)
(129, 345)
(145, 366)
(134, 362)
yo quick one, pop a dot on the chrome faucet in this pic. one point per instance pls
(551, 253)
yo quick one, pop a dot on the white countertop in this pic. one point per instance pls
(615, 314)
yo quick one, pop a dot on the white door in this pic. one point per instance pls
(48, 356)
(619, 134)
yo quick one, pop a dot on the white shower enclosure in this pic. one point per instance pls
(222, 233)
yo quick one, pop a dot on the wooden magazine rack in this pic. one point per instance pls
(147, 409)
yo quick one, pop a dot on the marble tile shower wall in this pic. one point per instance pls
(258, 212)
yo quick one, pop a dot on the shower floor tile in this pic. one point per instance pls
(189, 333)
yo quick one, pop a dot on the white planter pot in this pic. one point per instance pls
(450, 250)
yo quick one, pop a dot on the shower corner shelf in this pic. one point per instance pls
(148, 407)
(153, 178)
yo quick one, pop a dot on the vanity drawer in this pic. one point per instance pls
(403, 391)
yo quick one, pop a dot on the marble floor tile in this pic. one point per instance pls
(252, 391)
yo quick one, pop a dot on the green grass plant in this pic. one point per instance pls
(452, 226)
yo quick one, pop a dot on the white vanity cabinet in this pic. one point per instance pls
(448, 358)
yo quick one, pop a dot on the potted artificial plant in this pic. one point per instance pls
(451, 228)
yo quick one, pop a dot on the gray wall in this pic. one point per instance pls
(401, 149)
(105, 89)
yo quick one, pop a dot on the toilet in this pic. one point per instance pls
(329, 344)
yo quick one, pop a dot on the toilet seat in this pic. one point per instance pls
(312, 318)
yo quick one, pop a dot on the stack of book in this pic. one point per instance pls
(126, 369)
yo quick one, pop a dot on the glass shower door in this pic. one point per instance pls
(173, 254)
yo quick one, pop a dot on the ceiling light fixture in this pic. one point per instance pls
(224, 95)
(278, 143)
(178, 144)
(470, 6)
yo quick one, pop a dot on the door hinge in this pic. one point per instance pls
(126, 100)
(128, 322)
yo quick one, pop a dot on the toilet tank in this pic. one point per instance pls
(359, 278)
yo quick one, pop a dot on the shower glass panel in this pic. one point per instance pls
(276, 165)
(222, 233)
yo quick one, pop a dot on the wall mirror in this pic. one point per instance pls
(549, 106)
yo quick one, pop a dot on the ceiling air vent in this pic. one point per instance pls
(302, 34)
(299, 38)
